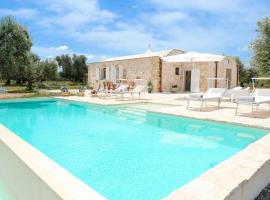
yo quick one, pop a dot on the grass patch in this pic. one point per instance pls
(44, 93)
(17, 89)
(49, 85)
(57, 85)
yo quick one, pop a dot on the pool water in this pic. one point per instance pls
(124, 152)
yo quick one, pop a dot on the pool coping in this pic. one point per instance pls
(58, 179)
(239, 177)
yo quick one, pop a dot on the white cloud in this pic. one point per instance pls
(126, 38)
(90, 56)
(61, 48)
(49, 52)
(167, 18)
(215, 26)
(74, 14)
(24, 13)
(244, 48)
(205, 5)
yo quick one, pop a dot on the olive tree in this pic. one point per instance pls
(261, 48)
(15, 45)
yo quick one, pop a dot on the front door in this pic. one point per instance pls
(187, 80)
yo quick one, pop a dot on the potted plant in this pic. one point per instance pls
(174, 88)
(150, 87)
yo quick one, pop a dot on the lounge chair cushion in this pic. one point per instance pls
(214, 93)
(245, 99)
(232, 91)
(195, 96)
(261, 95)
(211, 93)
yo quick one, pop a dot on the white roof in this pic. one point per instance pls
(193, 57)
(144, 55)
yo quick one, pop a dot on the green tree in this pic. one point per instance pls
(48, 69)
(32, 70)
(79, 68)
(261, 48)
(241, 71)
(73, 68)
(65, 62)
(15, 45)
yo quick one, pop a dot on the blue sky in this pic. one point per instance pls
(107, 28)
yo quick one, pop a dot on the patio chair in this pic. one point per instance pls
(137, 90)
(212, 94)
(113, 93)
(240, 93)
(120, 90)
(2, 90)
(96, 90)
(229, 92)
(64, 91)
(81, 92)
(259, 96)
(101, 91)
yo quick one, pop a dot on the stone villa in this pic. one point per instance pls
(187, 71)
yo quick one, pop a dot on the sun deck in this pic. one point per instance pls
(226, 112)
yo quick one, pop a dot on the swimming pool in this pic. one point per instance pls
(124, 152)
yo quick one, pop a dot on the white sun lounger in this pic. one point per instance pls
(212, 94)
(230, 92)
(239, 93)
(259, 96)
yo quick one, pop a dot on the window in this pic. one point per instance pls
(103, 74)
(125, 74)
(177, 71)
(117, 73)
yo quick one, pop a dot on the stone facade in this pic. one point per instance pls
(207, 70)
(144, 66)
(162, 74)
(147, 69)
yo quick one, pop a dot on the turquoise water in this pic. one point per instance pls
(125, 152)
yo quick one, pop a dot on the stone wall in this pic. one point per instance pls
(228, 63)
(147, 69)
(207, 69)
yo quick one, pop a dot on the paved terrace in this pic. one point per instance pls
(177, 102)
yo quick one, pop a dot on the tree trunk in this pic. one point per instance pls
(18, 82)
(30, 85)
(8, 82)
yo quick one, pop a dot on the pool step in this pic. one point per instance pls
(137, 115)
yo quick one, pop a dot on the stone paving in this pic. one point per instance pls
(210, 111)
